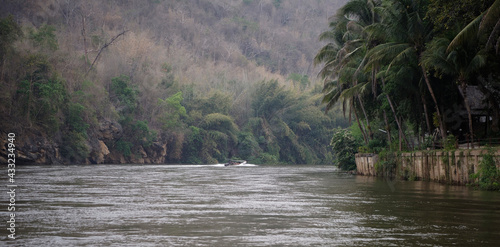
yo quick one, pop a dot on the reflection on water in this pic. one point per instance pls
(154, 205)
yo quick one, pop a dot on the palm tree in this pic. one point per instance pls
(460, 62)
(407, 34)
(483, 34)
(480, 28)
(344, 56)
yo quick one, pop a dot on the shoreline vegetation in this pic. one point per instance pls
(92, 82)
(414, 76)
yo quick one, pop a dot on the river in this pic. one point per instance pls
(213, 205)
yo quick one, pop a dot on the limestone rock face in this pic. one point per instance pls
(99, 152)
(109, 130)
(36, 148)
(32, 148)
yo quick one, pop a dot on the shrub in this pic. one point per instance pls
(344, 148)
(488, 175)
(124, 147)
(75, 120)
(386, 164)
(74, 147)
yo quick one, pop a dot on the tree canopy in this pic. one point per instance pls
(410, 66)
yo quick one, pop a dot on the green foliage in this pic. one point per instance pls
(74, 118)
(267, 158)
(169, 79)
(450, 143)
(302, 81)
(74, 147)
(45, 90)
(10, 31)
(192, 146)
(488, 175)
(218, 102)
(220, 136)
(377, 145)
(248, 147)
(172, 111)
(41, 93)
(455, 14)
(44, 37)
(124, 147)
(386, 164)
(124, 94)
(142, 134)
(270, 99)
(386, 63)
(138, 134)
(344, 148)
(221, 122)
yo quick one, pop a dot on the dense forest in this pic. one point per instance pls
(413, 74)
(164, 81)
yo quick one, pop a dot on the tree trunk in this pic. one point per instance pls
(396, 117)
(360, 124)
(426, 112)
(440, 118)
(30, 95)
(463, 86)
(387, 128)
(401, 133)
(84, 39)
(368, 127)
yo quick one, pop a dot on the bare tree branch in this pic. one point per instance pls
(104, 47)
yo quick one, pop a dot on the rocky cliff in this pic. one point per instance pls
(33, 147)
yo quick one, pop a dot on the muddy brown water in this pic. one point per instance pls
(213, 205)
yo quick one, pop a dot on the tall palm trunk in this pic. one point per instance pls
(438, 112)
(360, 124)
(401, 132)
(427, 121)
(368, 127)
(463, 86)
(387, 128)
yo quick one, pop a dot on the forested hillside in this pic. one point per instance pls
(164, 81)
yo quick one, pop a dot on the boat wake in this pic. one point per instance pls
(240, 165)
(208, 165)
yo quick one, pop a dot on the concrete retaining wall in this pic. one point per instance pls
(449, 167)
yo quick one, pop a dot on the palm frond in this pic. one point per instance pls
(498, 45)
(353, 53)
(491, 16)
(468, 33)
(494, 33)
(354, 91)
(329, 35)
(326, 52)
(329, 85)
(385, 53)
(436, 57)
(402, 56)
(477, 62)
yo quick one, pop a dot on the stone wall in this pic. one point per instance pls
(365, 164)
(448, 167)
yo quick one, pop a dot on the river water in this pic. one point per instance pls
(213, 205)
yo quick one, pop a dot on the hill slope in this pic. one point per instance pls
(154, 81)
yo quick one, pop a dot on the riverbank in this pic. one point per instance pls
(451, 167)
